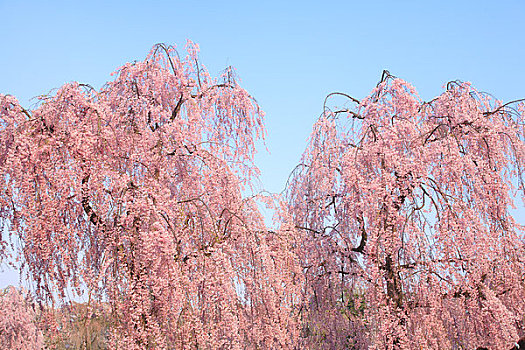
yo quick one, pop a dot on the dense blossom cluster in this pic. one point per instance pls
(18, 328)
(394, 231)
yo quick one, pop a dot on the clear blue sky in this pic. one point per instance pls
(289, 54)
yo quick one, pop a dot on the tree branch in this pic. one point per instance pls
(177, 108)
(364, 237)
(93, 217)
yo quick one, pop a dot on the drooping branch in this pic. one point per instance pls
(364, 237)
(216, 86)
(341, 94)
(92, 216)
(307, 229)
(355, 115)
(486, 114)
(166, 50)
(384, 76)
(352, 113)
(177, 108)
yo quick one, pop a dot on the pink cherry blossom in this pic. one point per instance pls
(18, 322)
(133, 195)
(405, 208)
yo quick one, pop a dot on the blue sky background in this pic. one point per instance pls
(289, 55)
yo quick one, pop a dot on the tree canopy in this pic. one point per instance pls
(405, 206)
(394, 232)
(132, 195)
